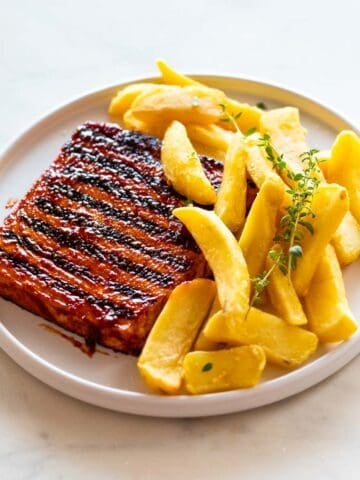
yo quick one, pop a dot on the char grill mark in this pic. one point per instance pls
(128, 217)
(63, 263)
(94, 246)
(101, 230)
(76, 242)
(123, 168)
(112, 311)
(117, 190)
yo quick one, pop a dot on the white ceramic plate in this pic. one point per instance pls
(112, 381)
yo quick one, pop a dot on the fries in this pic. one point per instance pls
(346, 151)
(287, 135)
(194, 104)
(326, 304)
(283, 296)
(207, 372)
(211, 136)
(231, 201)
(225, 259)
(285, 345)
(260, 227)
(328, 207)
(125, 97)
(160, 362)
(182, 166)
(278, 250)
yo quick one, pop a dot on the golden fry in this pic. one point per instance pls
(285, 345)
(208, 372)
(344, 167)
(173, 333)
(283, 297)
(330, 204)
(225, 259)
(125, 97)
(261, 224)
(183, 168)
(326, 304)
(195, 104)
(230, 205)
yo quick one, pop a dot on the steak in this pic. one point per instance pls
(93, 246)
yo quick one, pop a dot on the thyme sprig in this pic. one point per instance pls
(261, 281)
(299, 212)
(230, 117)
(296, 220)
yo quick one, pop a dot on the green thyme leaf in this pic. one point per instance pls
(207, 367)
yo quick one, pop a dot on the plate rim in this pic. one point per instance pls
(164, 406)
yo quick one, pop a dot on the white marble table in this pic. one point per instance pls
(53, 50)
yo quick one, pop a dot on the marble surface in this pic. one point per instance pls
(54, 50)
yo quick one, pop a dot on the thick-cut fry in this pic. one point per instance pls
(326, 304)
(260, 226)
(344, 167)
(195, 104)
(230, 205)
(249, 117)
(203, 343)
(133, 123)
(225, 259)
(330, 203)
(239, 367)
(285, 345)
(183, 168)
(246, 116)
(258, 166)
(210, 135)
(172, 77)
(288, 136)
(346, 240)
(323, 156)
(283, 297)
(209, 151)
(125, 97)
(170, 339)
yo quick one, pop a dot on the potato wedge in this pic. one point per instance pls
(346, 240)
(288, 136)
(125, 97)
(249, 117)
(194, 104)
(173, 333)
(203, 343)
(326, 304)
(208, 372)
(172, 77)
(323, 157)
(261, 224)
(283, 297)
(182, 166)
(344, 167)
(225, 259)
(257, 165)
(211, 135)
(133, 123)
(209, 151)
(330, 204)
(230, 205)
(285, 345)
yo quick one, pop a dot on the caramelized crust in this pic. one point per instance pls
(93, 246)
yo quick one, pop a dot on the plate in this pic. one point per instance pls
(109, 379)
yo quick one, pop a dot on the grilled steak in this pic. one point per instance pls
(93, 246)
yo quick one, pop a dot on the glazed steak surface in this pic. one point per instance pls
(93, 246)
